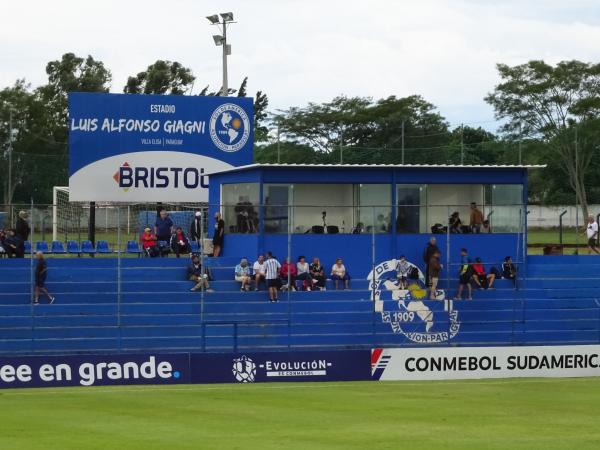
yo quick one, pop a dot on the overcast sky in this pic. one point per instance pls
(309, 50)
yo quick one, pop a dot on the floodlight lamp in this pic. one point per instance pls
(227, 17)
(213, 19)
(218, 39)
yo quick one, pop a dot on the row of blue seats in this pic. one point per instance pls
(87, 247)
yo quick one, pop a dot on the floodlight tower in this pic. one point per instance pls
(221, 40)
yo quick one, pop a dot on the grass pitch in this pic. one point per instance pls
(483, 414)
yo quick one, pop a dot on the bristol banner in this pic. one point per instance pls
(127, 147)
(94, 370)
(350, 365)
(485, 362)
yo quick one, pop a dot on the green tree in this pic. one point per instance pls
(359, 130)
(471, 145)
(556, 104)
(40, 125)
(261, 103)
(287, 152)
(39, 161)
(161, 77)
(71, 74)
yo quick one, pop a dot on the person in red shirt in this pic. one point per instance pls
(149, 243)
(482, 279)
(179, 242)
(288, 272)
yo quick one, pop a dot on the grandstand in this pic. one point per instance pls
(145, 305)
(109, 304)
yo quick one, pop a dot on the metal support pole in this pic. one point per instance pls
(462, 145)
(447, 251)
(402, 142)
(203, 269)
(225, 91)
(342, 147)
(10, 153)
(92, 223)
(119, 278)
(278, 147)
(31, 277)
(560, 227)
(576, 193)
(520, 141)
(54, 214)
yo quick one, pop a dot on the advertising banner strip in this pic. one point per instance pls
(485, 362)
(94, 370)
(184, 368)
(350, 365)
(126, 147)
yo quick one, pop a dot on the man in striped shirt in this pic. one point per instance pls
(272, 268)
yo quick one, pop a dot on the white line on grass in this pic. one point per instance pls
(76, 390)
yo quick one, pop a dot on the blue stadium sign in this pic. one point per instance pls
(125, 147)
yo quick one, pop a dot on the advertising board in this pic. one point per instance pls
(147, 148)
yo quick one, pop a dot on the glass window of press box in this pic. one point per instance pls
(327, 208)
(367, 208)
(239, 206)
(439, 208)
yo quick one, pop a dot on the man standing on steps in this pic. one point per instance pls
(272, 269)
(429, 251)
(592, 233)
(163, 226)
(196, 229)
(41, 271)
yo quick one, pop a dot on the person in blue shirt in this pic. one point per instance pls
(163, 226)
(41, 270)
(464, 275)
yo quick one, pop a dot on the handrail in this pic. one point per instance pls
(235, 324)
(560, 227)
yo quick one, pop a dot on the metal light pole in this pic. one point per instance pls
(10, 152)
(221, 40)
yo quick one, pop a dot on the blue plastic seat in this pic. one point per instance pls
(133, 247)
(195, 246)
(27, 247)
(73, 248)
(87, 247)
(42, 246)
(103, 247)
(58, 247)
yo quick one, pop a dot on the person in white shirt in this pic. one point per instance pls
(272, 268)
(258, 271)
(303, 273)
(592, 233)
(404, 269)
(338, 273)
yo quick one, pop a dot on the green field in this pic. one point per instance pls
(479, 414)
